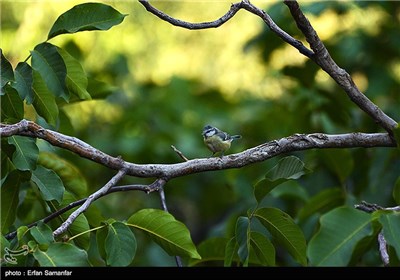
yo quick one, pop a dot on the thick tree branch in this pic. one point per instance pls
(297, 142)
(341, 77)
(101, 192)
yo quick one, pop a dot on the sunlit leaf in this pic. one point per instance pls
(285, 231)
(341, 229)
(26, 152)
(49, 184)
(49, 63)
(170, 234)
(61, 254)
(120, 245)
(87, 16)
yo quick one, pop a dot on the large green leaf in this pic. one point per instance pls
(242, 233)
(263, 248)
(120, 245)
(44, 102)
(76, 79)
(6, 71)
(322, 202)
(341, 229)
(170, 234)
(49, 184)
(24, 81)
(12, 106)
(391, 229)
(49, 63)
(231, 249)
(61, 254)
(212, 249)
(87, 16)
(26, 152)
(285, 231)
(288, 168)
(10, 199)
(42, 233)
(70, 175)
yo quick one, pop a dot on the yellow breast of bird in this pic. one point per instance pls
(215, 144)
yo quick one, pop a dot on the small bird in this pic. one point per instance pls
(217, 140)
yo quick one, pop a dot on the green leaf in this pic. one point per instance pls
(212, 249)
(263, 248)
(12, 106)
(391, 230)
(44, 102)
(288, 168)
(285, 231)
(101, 235)
(170, 234)
(87, 16)
(231, 249)
(70, 175)
(322, 202)
(49, 184)
(76, 79)
(341, 229)
(61, 254)
(396, 133)
(396, 191)
(24, 81)
(49, 63)
(120, 245)
(6, 71)
(242, 233)
(339, 161)
(10, 199)
(26, 152)
(99, 89)
(42, 233)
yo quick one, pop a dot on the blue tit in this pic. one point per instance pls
(217, 140)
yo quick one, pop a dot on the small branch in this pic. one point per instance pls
(144, 188)
(369, 208)
(341, 77)
(383, 249)
(101, 192)
(297, 142)
(180, 154)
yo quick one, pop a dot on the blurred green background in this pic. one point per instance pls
(168, 82)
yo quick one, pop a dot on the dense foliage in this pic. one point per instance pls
(289, 211)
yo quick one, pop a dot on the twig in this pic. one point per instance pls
(165, 208)
(64, 226)
(383, 249)
(180, 154)
(297, 142)
(341, 77)
(144, 188)
(369, 208)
